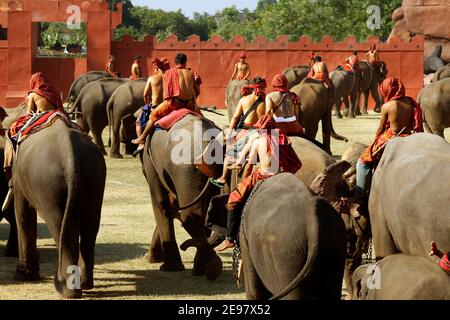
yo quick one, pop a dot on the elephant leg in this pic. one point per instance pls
(97, 135)
(155, 254)
(96, 125)
(81, 122)
(338, 104)
(254, 288)
(353, 261)
(346, 111)
(375, 96)
(115, 142)
(164, 216)
(382, 238)
(88, 234)
(26, 217)
(12, 246)
(365, 100)
(354, 103)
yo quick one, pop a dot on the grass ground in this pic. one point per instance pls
(126, 227)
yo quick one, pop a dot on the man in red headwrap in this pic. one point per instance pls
(136, 72)
(284, 106)
(444, 258)
(275, 154)
(181, 89)
(249, 109)
(153, 96)
(241, 69)
(400, 116)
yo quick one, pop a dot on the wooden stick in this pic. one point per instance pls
(384, 144)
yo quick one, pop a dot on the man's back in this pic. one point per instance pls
(320, 67)
(187, 83)
(281, 104)
(41, 103)
(246, 103)
(400, 113)
(156, 82)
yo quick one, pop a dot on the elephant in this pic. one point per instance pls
(233, 94)
(434, 100)
(371, 78)
(302, 255)
(179, 190)
(126, 100)
(80, 82)
(345, 84)
(316, 107)
(409, 196)
(60, 174)
(91, 102)
(442, 73)
(433, 62)
(335, 183)
(401, 277)
(296, 74)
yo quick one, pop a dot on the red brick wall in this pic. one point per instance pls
(215, 59)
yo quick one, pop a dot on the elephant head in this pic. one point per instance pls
(213, 266)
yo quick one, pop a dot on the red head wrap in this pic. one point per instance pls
(243, 56)
(257, 88)
(280, 83)
(162, 64)
(444, 263)
(42, 86)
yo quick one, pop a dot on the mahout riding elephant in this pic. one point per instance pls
(233, 94)
(60, 174)
(316, 107)
(401, 277)
(442, 73)
(179, 190)
(126, 100)
(409, 196)
(434, 101)
(80, 82)
(335, 183)
(371, 78)
(91, 102)
(296, 74)
(345, 84)
(292, 243)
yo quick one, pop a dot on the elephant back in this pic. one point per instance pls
(233, 95)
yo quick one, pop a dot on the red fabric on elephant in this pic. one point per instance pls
(43, 87)
(173, 117)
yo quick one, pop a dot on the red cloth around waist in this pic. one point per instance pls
(173, 117)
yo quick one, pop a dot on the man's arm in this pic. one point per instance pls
(31, 105)
(234, 72)
(236, 115)
(383, 121)
(196, 88)
(148, 91)
(253, 157)
(248, 71)
(261, 110)
(269, 105)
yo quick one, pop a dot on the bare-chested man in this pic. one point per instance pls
(400, 115)
(284, 106)
(248, 111)
(372, 56)
(319, 71)
(267, 148)
(181, 89)
(136, 72)
(153, 96)
(241, 69)
(110, 66)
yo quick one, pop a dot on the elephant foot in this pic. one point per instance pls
(351, 116)
(358, 113)
(87, 283)
(214, 268)
(65, 292)
(345, 112)
(198, 271)
(377, 109)
(172, 267)
(23, 274)
(115, 156)
(364, 112)
(339, 115)
(153, 257)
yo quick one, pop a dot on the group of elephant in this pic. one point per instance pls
(316, 241)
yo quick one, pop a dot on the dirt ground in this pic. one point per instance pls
(126, 227)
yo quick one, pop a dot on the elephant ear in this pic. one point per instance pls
(331, 184)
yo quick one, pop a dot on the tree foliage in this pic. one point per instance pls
(271, 18)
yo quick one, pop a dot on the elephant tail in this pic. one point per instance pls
(313, 251)
(110, 113)
(328, 123)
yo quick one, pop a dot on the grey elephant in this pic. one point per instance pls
(233, 94)
(80, 82)
(296, 74)
(60, 174)
(368, 85)
(293, 244)
(91, 103)
(126, 100)
(316, 107)
(442, 73)
(401, 277)
(434, 101)
(409, 197)
(179, 190)
(346, 84)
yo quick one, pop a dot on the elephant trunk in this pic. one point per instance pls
(213, 265)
